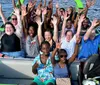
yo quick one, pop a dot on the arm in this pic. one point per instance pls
(2, 15)
(39, 34)
(87, 34)
(24, 20)
(44, 3)
(34, 68)
(13, 3)
(58, 46)
(55, 36)
(75, 53)
(64, 24)
(80, 25)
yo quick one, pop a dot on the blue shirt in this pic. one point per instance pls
(60, 72)
(89, 47)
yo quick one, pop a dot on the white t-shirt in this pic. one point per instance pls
(68, 46)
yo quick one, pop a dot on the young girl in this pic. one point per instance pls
(42, 67)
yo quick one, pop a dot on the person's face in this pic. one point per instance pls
(69, 11)
(47, 36)
(61, 12)
(8, 29)
(62, 57)
(14, 20)
(69, 36)
(69, 24)
(85, 23)
(92, 35)
(45, 49)
(31, 31)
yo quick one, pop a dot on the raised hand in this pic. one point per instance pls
(23, 10)
(58, 45)
(31, 4)
(38, 21)
(54, 21)
(81, 19)
(16, 11)
(90, 3)
(38, 12)
(66, 16)
(95, 23)
(57, 5)
(44, 11)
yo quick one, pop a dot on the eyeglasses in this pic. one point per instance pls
(14, 18)
(61, 56)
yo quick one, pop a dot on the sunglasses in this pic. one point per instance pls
(61, 56)
(14, 18)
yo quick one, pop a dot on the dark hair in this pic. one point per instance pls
(69, 31)
(50, 32)
(11, 25)
(62, 9)
(35, 27)
(62, 51)
(46, 43)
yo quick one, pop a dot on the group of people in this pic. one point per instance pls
(54, 40)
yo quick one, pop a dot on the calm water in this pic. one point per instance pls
(94, 11)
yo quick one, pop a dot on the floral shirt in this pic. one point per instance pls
(45, 72)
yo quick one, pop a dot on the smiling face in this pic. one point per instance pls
(45, 48)
(31, 31)
(14, 20)
(9, 29)
(62, 55)
(47, 36)
(85, 23)
(69, 36)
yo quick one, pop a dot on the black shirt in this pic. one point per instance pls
(10, 43)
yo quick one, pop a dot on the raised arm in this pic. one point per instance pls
(40, 37)
(93, 25)
(2, 15)
(24, 19)
(13, 3)
(64, 24)
(44, 3)
(76, 49)
(55, 34)
(58, 46)
(80, 25)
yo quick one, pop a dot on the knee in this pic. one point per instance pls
(50, 83)
(33, 83)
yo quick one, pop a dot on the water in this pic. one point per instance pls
(93, 12)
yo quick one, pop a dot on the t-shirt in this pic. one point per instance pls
(89, 47)
(44, 71)
(68, 46)
(10, 43)
(32, 46)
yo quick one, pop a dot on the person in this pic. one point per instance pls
(48, 36)
(32, 45)
(68, 39)
(61, 66)
(90, 42)
(10, 43)
(42, 66)
(15, 20)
